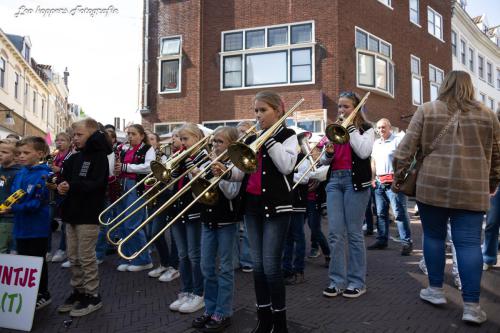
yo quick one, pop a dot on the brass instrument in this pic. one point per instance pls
(170, 201)
(12, 199)
(305, 148)
(337, 133)
(243, 156)
(312, 167)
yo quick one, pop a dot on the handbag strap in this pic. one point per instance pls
(442, 133)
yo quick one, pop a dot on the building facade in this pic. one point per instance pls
(476, 50)
(204, 61)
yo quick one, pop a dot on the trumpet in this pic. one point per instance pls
(337, 133)
(171, 201)
(243, 156)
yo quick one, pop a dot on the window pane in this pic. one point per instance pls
(373, 44)
(301, 33)
(439, 77)
(381, 72)
(170, 46)
(432, 74)
(254, 39)
(232, 72)
(471, 59)
(361, 40)
(266, 68)
(434, 92)
(385, 49)
(233, 41)
(416, 90)
(277, 36)
(2, 64)
(169, 75)
(414, 11)
(415, 66)
(366, 70)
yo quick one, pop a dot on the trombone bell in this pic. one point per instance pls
(209, 197)
(159, 171)
(243, 157)
(337, 134)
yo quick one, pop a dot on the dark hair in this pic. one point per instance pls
(360, 119)
(36, 142)
(12, 136)
(107, 126)
(141, 131)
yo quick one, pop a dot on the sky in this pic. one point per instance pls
(103, 52)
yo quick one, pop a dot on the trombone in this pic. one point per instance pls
(243, 156)
(172, 200)
(337, 133)
(312, 167)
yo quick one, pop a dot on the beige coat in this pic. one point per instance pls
(464, 168)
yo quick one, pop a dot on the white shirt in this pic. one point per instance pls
(383, 152)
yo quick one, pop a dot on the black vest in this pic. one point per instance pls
(139, 158)
(300, 192)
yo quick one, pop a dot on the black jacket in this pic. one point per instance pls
(87, 173)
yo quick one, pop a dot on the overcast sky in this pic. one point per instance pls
(103, 53)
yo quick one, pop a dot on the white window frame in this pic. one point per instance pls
(42, 107)
(481, 73)
(387, 3)
(472, 59)
(454, 33)
(463, 52)
(390, 92)
(174, 123)
(418, 13)
(434, 83)
(3, 74)
(34, 102)
(417, 77)
(435, 13)
(498, 78)
(225, 122)
(482, 96)
(288, 47)
(491, 103)
(490, 82)
(162, 58)
(17, 81)
(26, 93)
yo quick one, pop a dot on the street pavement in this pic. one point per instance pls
(133, 302)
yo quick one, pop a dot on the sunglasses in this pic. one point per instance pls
(348, 94)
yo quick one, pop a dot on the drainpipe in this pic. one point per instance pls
(144, 105)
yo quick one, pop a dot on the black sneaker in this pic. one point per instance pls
(377, 246)
(217, 325)
(70, 302)
(86, 305)
(407, 249)
(332, 292)
(199, 322)
(42, 301)
(353, 293)
(298, 278)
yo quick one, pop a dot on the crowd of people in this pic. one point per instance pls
(256, 222)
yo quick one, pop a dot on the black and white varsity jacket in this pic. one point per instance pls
(279, 156)
(141, 162)
(194, 213)
(226, 210)
(361, 142)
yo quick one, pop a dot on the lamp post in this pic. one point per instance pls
(9, 119)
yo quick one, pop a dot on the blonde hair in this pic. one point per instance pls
(10, 142)
(88, 123)
(229, 133)
(191, 129)
(65, 135)
(272, 99)
(457, 92)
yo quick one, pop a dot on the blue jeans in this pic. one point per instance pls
(466, 234)
(267, 239)
(314, 222)
(219, 287)
(383, 197)
(241, 248)
(139, 240)
(295, 236)
(490, 245)
(188, 240)
(167, 258)
(346, 212)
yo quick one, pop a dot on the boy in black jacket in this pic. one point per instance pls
(84, 180)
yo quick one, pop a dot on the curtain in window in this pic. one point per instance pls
(416, 87)
(233, 41)
(366, 64)
(232, 72)
(254, 39)
(169, 75)
(277, 36)
(301, 33)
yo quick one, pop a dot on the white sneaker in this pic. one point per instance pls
(122, 267)
(169, 275)
(66, 264)
(422, 266)
(473, 313)
(181, 299)
(99, 261)
(487, 267)
(48, 257)
(194, 304)
(14, 252)
(59, 256)
(433, 295)
(138, 268)
(157, 271)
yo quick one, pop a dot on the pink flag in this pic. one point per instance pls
(48, 139)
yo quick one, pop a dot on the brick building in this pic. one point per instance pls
(205, 60)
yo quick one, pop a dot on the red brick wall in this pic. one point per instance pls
(201, 98)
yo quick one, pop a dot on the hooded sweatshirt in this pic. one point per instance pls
(87, 173)
(31, 213)
(7, 175)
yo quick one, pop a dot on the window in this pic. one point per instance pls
(491, 103)
(34, 102)
(165, 128)
(435, 79)
(26, 53)
(462, 51)
(480, 66)
(16, 86)
(416, 81)
(434, 23)
(483, 98)
(26, 91)
(454, 43)
(498, 78)
(268, 56)
(471, 59)
(2, 72)
(375, 68)
(489, 73)
(414, 11)
(43, 108)
(170, 64)
(386, 2)
(233, 123)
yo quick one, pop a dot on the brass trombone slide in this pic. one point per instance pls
(312, 167)
(169, 202)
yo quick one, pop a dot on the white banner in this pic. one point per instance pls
(19, 282)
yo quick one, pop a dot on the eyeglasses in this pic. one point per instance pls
(217, 141)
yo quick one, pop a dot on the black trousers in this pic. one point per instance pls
(36, 247)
